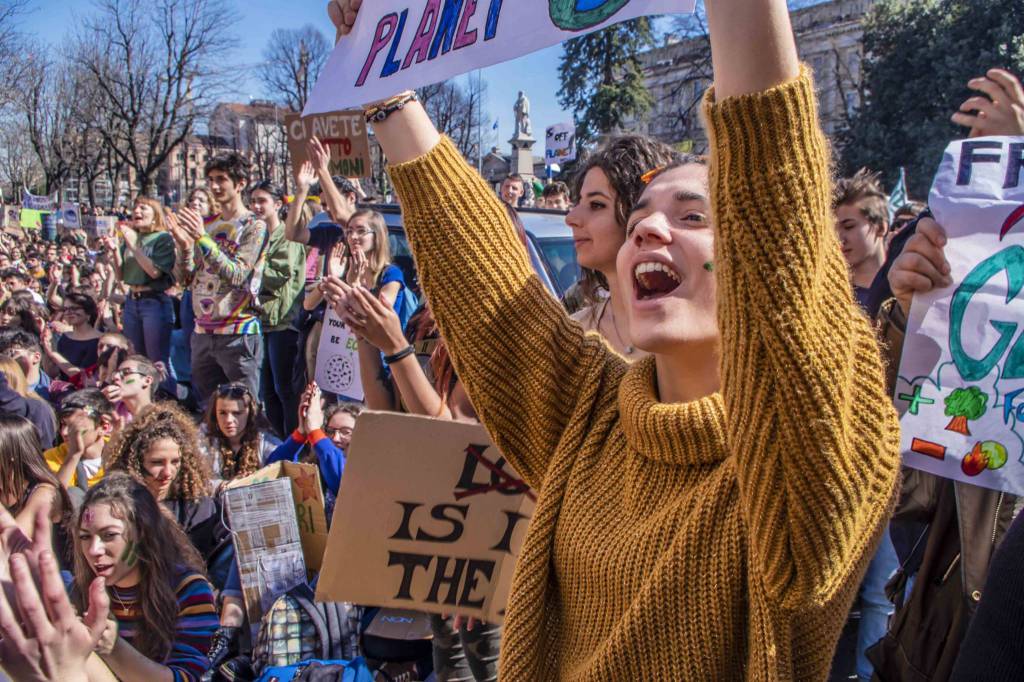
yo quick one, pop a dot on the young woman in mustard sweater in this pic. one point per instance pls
(706, 513)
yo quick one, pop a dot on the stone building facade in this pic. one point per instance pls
(828, 38)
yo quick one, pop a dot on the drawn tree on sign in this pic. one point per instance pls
(963, 405)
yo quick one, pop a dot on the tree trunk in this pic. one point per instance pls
(959, 425)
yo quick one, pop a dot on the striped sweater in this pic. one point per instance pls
(197, 621)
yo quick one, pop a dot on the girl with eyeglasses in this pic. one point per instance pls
(162, 605)
(161, 448)
(234, 434)
(369, 259)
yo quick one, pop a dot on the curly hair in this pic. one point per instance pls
(624, 160)
(248, 459)
(164, 552)
(126, 450)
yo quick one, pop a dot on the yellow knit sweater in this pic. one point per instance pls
(721, 539)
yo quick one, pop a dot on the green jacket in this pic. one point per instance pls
(284, 276)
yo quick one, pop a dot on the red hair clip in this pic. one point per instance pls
(651, 174)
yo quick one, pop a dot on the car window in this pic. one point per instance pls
(560, 253)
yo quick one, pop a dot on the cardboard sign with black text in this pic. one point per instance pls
(342, 133)
(430, 517)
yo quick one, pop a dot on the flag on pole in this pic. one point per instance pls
(898, 196)
(495, 126)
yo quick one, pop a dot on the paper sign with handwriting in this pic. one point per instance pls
(399, 45)
(960, 389)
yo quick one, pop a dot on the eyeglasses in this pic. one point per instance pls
(122, 373)
(900, 224)
(71, 309)
(233, 391)
(331, 433)
(358, 232)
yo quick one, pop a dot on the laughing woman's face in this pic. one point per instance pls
(665, 267)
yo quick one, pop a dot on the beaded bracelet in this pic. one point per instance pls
(380, 112)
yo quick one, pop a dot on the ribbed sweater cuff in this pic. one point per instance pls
(316, 436)
(299, 437)
(766, 129)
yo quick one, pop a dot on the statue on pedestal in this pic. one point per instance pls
(522, 112)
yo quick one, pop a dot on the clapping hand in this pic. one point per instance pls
(1001, 113)
(358, 269)
(313, 415)
(319, 157)
(370, 318)
(130, 236)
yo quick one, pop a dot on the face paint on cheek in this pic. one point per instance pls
(709, 266)
(130, 555)
(129, 381)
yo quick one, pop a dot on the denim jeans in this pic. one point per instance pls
(278, 385)
(181, 340)
(148, 323)
(875, 607)
(221, 358)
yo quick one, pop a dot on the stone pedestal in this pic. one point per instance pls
(521, 161)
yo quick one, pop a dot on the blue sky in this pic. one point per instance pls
(536, 74)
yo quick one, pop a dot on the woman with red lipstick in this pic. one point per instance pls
(603, 191)
(162, 603)
(705, 513)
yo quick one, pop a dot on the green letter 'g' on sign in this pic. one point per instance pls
(579, 15)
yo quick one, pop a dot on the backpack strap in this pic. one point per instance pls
(304, 597)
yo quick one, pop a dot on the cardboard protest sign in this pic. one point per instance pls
(32, 219)
(429, 517)
(337, 359)
(11, 217)
(560, 144)
(960, 390)
(308, 496)
(268, 549)
(343, 134)
(399, 45)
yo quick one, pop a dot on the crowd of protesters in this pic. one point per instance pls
(676, 535)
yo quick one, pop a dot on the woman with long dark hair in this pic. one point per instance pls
(234, 434)
(16, 398)
(26, 483)
(162, 602)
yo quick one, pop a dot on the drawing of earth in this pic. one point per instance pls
(340, 372)
(579, 15)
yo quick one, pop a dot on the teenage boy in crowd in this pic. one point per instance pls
(862, 221)
(132, 387)
(555, 197)
(86, 422)
(16, 279)
(23, 347)
(223, 266)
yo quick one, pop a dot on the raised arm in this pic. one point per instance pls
(294, 228)
(522, 360)
(815, 435)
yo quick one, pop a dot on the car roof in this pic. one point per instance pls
(540, 223)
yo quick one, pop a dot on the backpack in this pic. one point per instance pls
(297, 629)
(320, 671)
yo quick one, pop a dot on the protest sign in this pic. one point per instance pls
(960, 390)
(560, 144)
(32, 219)
(399, 45)
(343, 134)
(337, 359)
(11, 217)
(37, 203)
(99, 226)
(308, 496)
(268, 549)
(69, 216)
(441, 517)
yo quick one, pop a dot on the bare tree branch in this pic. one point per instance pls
(292, 62)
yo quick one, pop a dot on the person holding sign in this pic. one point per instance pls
(706, 513)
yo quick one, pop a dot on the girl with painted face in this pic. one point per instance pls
(707, 512)
(604, 190)
(163, 610)
(235, 434)
(161, 448)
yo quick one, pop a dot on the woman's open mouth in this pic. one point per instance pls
(652, 280)
(103, 570)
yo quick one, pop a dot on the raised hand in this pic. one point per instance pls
(46, 640)
(131, 237)
(358, 269)
(1001, 112)
(319, 157)
(371, 319)
(922, 266)
(192, 223)
(178, 233)
(314, 417)
(343, 15)
(305, 177)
